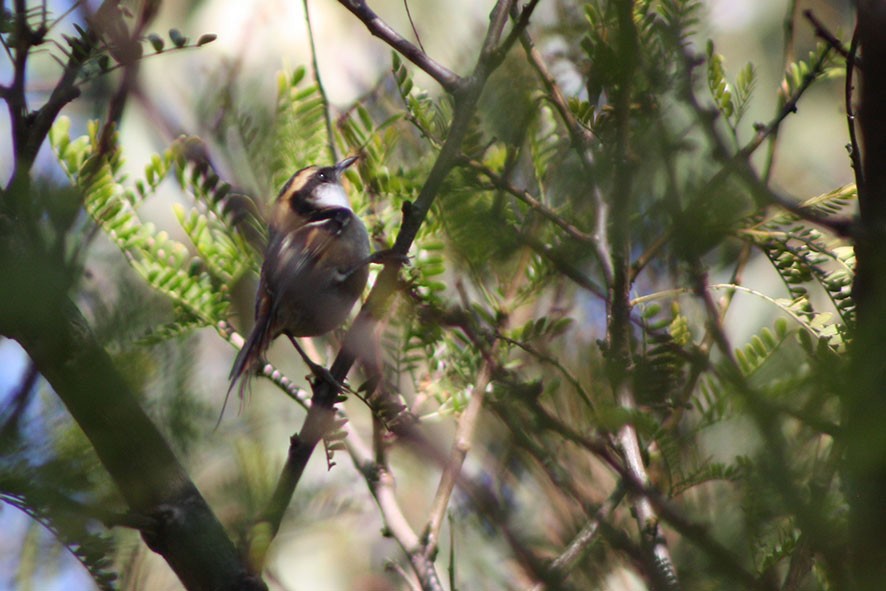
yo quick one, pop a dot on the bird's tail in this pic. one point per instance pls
(249, 359)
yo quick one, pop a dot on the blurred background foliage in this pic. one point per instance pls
(160, 232)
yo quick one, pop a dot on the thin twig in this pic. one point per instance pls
(566, 267)
(854, 150)
(567, 559)
(516, 32)
(299, 395)
(739, 164)
(498, 18)
(786, 108)
(790, 25)
(581, 139)
(500, 182)
(380, 482)
(823, 33)
(573, 381)
(315, 70)
(694, 532)
(412, 24)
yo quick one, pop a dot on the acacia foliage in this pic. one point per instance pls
(632, 189)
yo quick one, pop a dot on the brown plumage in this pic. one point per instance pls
(315, 265)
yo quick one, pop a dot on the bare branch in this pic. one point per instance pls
(380, 482)
(299, 395)
(618, 331)
(787, 107)
(561, 565)
(854, 149)
(823, 33)
(464, 435)
(581, 139)
(379, 28)
(498, 17)
(739, 163)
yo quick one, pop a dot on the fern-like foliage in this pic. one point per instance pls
(21, 488)
(679, 17)
(731, 99)
(196, 282)
(802, 255)
(299, 130)
(430, 117)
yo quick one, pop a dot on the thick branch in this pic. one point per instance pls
(57, 338)
(866, 394)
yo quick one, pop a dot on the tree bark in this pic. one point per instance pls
(866, 388)
(37, 312)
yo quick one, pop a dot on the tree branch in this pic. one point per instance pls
(464, 435)
(380, 482)
(379, 28)
(864, 394)
(320, 417)
(499, 182)
(39, 316)
(618, 332)
(739, 164)
(823, 33)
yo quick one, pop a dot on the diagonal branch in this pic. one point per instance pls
(464, 435)
(500, 182)
(448, 79)
(823, 33)
(135, 454)
(321, 415)
(739, 164)
(380, 482)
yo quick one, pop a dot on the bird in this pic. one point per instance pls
(316, 265)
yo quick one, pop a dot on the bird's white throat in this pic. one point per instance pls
(331, 195)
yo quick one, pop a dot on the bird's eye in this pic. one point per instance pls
(322, 176)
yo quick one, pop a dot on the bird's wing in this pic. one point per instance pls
(292, 255)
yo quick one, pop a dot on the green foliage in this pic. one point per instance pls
(93, 551)
(803, 255)
(299, 137)
(51, 491)
(577, 192)
(818, 64)
(732, 100)
(681, 17)
(430, 117)
(197, 285)
(707, 472)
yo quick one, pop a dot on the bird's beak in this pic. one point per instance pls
(341, 166)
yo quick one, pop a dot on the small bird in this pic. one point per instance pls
(315, 267)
